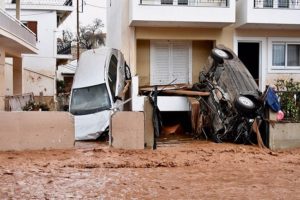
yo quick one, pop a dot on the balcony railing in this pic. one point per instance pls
(291, 4)
(64, 49)
(200, 3)
(290, 105)
(43, 2)
(17, 28)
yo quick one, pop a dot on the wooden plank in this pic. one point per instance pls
(186, 92)
(166, 87)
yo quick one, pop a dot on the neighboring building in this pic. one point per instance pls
(43, 17)
(15, 39)
(167, 40)
(267, 39)
(66, 73)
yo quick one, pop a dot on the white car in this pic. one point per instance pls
(99, 80)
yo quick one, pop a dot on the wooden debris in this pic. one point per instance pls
(165, 87)
(186, 92)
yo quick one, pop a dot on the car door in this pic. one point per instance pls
(115, 79)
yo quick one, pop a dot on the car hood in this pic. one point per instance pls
(90, 127)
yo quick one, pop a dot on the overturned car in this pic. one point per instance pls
(234, 101)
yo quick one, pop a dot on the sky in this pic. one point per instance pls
(92, 9)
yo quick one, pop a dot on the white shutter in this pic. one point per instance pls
(180, 62)
(170, 61)
(160, 63)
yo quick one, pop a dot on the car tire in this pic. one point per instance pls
(127, 72)
(219, 55)
(244, 105)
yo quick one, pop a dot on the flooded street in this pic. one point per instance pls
(188, 170)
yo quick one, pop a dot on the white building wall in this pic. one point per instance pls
(115, 21)
(119, 34)
(210, 13)
(281, 17)
(241, 12)
(2, 5)
(39, 75)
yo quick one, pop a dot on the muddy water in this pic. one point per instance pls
(190, 170)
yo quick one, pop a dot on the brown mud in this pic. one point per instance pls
(185, 170)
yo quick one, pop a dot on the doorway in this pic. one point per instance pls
(249, 54)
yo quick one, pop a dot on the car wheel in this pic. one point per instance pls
(219, 55)
(127, 73)
(244, 105)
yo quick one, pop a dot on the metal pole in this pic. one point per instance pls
(77, 30)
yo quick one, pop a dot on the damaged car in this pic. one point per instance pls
(234, 101)
(97, 90)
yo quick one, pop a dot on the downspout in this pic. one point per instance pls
(18, 9)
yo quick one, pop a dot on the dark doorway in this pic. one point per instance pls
(248, 53)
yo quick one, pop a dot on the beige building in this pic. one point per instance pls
(168, 41)
(15, 40)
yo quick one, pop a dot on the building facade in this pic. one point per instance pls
(168, 41)
(267, 39)
(15, 40)
(43, 18)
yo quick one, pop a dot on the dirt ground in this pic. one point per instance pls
(188, 170)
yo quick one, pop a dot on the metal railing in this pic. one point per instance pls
(42, 2)
(290, 105)
(64, 49)
(291, 4)
(17, 28)
(200, 3)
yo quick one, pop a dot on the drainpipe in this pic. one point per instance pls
(2, 5)
(18, 9)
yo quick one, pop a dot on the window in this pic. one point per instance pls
(278, 52)
(274, 4)
(285, 55)
(283, 3)
(268, 3)
(170, 62)
(32, 25)
(293, 55)
(166, 1)
(182, 2)
(112, 74)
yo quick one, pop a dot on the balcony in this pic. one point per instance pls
(14, 36)
(202, 3)
(42, 2)
(289, 4)
(186, 13)
(62, 7)
(64, 51)
(268, 14)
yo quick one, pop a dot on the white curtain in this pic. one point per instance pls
(293, 53)
(278, 55)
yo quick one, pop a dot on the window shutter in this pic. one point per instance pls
(169, 61)
(160, 61)
(180, 63)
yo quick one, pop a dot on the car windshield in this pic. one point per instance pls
(89, 100)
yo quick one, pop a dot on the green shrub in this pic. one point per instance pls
(289, 96)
